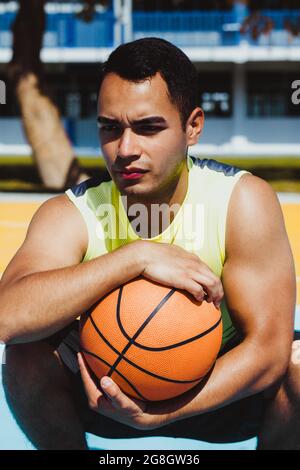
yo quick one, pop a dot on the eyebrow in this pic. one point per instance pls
(147, 120)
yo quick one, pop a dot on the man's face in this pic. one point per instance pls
(141, 135)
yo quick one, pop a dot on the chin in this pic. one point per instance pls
(136, 190)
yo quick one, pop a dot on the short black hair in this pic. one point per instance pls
(141, 59)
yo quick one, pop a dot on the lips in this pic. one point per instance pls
(131, 173)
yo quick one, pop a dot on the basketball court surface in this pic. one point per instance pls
(15, 214)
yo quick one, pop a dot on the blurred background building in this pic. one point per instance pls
(247, 54)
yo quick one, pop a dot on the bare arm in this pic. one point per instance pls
(259, 283)
(46, 286)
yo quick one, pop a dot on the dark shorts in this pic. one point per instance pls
(238, 421)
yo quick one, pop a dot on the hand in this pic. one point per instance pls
(114, 404)
(173, 266)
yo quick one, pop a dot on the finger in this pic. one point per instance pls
(195, 289)
(117, 397)
(90, 387)
(217, 303)
(201, 292)
(212, 286)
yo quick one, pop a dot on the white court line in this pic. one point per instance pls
(28, 197)
(291, 198)
(12, 224)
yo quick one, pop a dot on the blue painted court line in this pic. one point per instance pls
(165, 443)
(12, 437)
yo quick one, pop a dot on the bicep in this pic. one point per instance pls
(56, 238)
(258, 275)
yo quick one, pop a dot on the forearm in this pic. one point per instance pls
(243, 371)
(40, 304)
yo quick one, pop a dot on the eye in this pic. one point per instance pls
(148, 129)
(108, 128)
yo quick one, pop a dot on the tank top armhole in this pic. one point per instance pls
(80, 205)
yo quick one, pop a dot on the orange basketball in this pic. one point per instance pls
(153, 341)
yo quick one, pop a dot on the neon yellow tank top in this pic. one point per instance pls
(199, 225)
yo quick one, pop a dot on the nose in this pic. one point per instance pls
(128, 144)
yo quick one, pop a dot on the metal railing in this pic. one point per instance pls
(186, 29)
(197, 28)
(280, 17)
(277, 28)
(214, 28)
(67, 30)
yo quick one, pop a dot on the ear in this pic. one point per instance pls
(194, 126)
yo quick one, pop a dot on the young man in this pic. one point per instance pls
(72, 256)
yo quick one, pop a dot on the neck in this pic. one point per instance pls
(162, 208)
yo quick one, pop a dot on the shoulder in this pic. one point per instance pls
(252, 195)
(56, 209)
(254, 214)
(58, 219)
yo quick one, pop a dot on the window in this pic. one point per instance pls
(269, 94)
(74, 90)
(215, 95)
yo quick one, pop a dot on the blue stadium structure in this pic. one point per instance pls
(248, 61)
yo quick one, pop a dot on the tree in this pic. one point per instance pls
(51, 147)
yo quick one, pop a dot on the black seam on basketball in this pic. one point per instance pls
(141, 328)
(172, 346)
(116, 371)
(126, 380)
(225, 333)
(136, 365)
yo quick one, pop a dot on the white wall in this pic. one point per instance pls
(259, 136)
(217, 131)
(255, 130)
(11, 132)
(273, 130)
